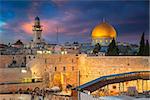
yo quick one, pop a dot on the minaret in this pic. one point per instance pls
(37, 30)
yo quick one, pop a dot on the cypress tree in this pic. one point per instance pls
(113, 49)
(142, 46)
(146, 52)
(96, 48)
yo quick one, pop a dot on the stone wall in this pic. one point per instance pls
(61, 70)
(93, 67)
(15, 87)
(6, 60)
(56, 70)
(13, 75)
(90, 67)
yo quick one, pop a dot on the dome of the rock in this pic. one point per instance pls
(104, 30)
(103, 33)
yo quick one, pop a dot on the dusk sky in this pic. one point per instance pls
(75, 19)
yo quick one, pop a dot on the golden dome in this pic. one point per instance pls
(104, 30)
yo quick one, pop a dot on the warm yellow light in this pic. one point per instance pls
(106, 41)
(39, 52)
(24, 71)
(48, 52)
(96, 41)
(63, 52)
(104, 30)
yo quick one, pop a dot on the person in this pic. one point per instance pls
(32, 96)
(41, 98)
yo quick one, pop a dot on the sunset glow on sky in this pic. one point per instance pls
(74, 18)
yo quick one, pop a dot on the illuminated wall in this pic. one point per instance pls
(94, 67)
(13, 74)
(64, 69)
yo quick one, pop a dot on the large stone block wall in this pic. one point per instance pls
(90, 67)
(13, 75)
(16, 87)
(93, 67)
(62, 69)
(54, 63)
(6, 60)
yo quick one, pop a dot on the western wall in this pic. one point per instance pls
(71, 69)
(79, 69)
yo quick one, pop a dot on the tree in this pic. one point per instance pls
(112, 49)
(97, 48)
(142, 46)
(146, 51)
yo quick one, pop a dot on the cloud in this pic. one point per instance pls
(27, 27)
(48, 26)
(75, 19)
(2, 23)
(60, 3)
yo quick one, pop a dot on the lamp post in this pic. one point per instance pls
(79, 84)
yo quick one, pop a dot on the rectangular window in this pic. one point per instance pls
(64, 68)
(72, 68)
(45, 61)
(106, 41)
(59, 59)
(96, 41)
(55, 68)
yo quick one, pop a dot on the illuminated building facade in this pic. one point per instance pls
(63, 65)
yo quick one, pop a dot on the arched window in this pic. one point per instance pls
(14, 62)
(114, 87)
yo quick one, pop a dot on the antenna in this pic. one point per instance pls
(57, 35)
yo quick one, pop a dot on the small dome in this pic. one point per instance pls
(104, 30)
(37, 18)
(19, 42)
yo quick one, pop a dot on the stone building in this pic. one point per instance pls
(74, 70)
(37, 34)
(68, 69)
